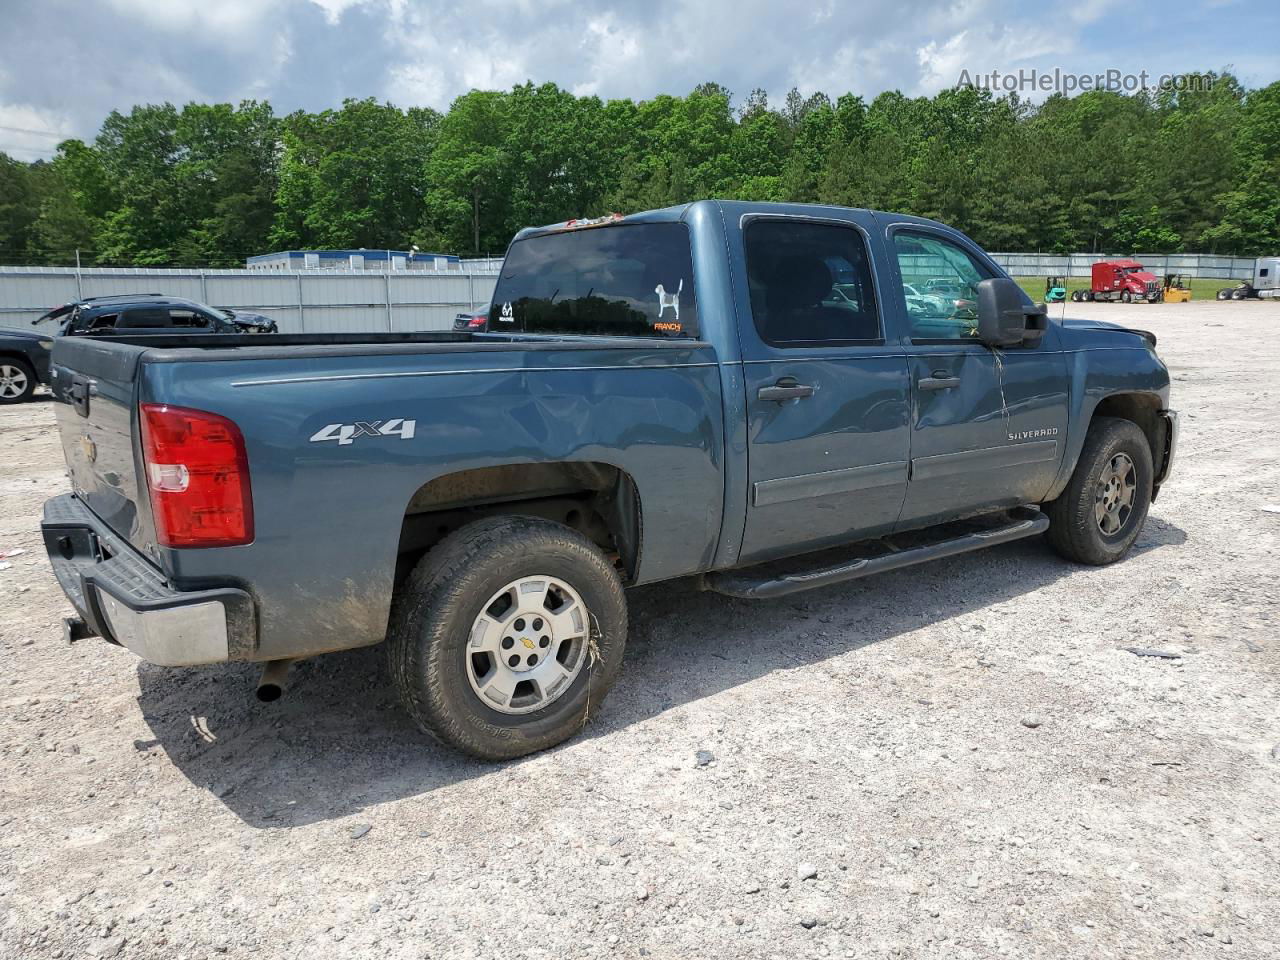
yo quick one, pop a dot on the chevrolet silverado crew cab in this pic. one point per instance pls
(711, 391)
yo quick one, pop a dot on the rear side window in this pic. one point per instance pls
(628, 280)
(810, 284)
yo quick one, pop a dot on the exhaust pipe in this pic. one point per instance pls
(274, 679)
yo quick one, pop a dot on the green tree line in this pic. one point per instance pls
(209, 184)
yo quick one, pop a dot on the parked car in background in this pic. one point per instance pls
(471, 322)
(927, 304)
(24, 354)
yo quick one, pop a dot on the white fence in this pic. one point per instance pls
(310, 301)
(332, 301)
(1079, 264)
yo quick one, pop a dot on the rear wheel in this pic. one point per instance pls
(507, 636)
(1224, 293)
(1238, 293)
(1099, 515)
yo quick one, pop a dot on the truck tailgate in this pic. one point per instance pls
(94, 385)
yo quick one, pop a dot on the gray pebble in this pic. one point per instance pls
(1031, 722)
(360, 830)
(107, 948)
(704, 757)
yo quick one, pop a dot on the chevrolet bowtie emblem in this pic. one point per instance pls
(527, 642)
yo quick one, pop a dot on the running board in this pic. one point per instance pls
(1026, 522)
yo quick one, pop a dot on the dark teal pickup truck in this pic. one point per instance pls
(712, 391)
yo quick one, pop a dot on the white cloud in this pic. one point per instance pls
(32, 133)
(224, 17)
(334, 9)
(311, 54)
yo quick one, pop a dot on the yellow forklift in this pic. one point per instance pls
(1177, 288)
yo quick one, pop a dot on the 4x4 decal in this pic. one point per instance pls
(345, 433)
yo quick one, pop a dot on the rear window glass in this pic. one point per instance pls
(630, 280)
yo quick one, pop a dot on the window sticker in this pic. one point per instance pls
(671, 300)
(506, 316)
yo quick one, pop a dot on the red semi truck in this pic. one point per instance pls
(1124, 280)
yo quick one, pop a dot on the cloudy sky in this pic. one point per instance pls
(65, 63)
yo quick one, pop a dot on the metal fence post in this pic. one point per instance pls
(302, 321)
(390, 323)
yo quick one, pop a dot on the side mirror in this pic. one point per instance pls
(1004, 318)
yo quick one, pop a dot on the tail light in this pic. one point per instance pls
(478, 320)
(198, 476)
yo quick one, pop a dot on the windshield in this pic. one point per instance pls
(630, 280)
(1132, 269)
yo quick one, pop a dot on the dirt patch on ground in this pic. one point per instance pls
(960, 760)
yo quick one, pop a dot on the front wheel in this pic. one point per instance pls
(1126, 297)
(1099, 515)
(17, 380)
(507, 636)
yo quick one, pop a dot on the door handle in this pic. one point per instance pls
(941, 380)
(79, 393)
(785, 389)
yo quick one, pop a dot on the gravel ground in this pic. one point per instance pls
(955, 761)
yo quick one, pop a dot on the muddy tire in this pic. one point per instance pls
(507, 636)
(1101, 512)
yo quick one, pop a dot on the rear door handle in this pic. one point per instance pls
(941, 380)
(785, 389)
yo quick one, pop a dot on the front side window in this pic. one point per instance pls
(627, 280)
(810, 284)
(144, 317)
(189, 318)
(939, 286)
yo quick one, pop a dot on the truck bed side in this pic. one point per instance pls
(329, 512)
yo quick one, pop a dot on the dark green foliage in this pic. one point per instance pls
(212, 184)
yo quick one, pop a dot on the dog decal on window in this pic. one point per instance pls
(671, 300)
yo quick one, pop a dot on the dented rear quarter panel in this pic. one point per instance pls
(328, 516)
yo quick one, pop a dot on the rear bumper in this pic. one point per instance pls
(124, 599)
